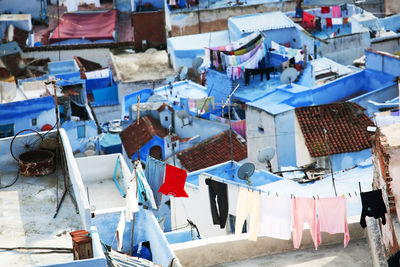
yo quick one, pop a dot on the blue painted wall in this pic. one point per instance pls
(71, 128)
(391, 23)
(157, 4)
(219, 85)
(17, 6)
(349, 160)
(124, 5)
(382, 63)
(285, 141)
(146, 229)
(145, 150)
(131, 99)
(21, 113)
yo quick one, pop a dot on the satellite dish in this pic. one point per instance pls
(289, 75)
(183, 73)
(196, 63)
(246, 171)
(170, 79)
(183, 114)
(266, 154)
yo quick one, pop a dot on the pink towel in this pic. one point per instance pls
(336, 12)
(332, 217)
(304, 210)
(240, 127)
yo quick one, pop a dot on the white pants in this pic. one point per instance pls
(248, 202)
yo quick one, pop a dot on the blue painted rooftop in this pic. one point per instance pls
(225, 171)
(182, 89)
(9, 49)
(61, 67)
(284, 98)
(199, 41)
(261, 22)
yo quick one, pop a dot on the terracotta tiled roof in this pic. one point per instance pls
(163, 106)
(212, 151)
(135, 136)
(346, 125)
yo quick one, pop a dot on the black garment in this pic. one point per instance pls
(394, 261)
(265, 71)
(220, 191)
(343, 8)
(372, 206)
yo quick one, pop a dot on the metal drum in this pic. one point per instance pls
(36, 163)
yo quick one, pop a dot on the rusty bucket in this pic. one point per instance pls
(36, 163)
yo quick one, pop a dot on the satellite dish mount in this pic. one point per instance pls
(246, 171)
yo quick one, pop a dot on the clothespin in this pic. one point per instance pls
(349, 194)
(342, 195)
(291, 196)
(268, 193)
(318, 197)
(276, 194)
(313, 197)
(355, 192)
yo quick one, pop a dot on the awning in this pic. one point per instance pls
(88, 26)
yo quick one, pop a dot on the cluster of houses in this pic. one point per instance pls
(305, 94)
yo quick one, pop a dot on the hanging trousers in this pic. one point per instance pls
(218, 193)
(248, 203)
(304, 210)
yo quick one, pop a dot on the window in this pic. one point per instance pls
(232, 221)
(166, 118)
(34, 122)
(81, 131)
(261, 130)
(6, 130)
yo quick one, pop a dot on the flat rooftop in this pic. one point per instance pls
(147, 66)
(27, 210)
(357, 253)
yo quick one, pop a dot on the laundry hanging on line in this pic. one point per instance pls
(155, 173)
(218, 193)
(174, 183)
(372, 206)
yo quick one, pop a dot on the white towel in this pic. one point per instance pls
(276, 217)
(120, 231)
(337, 21)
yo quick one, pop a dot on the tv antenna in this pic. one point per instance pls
(265, 156)
(246, 171)
(288, 76)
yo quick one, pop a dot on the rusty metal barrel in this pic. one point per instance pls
(36, 163)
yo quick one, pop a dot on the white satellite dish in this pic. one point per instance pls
(183, 73)
(170, 79)
(196, 63)
(289, 75)
(266, 154)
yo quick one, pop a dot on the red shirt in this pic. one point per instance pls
(175, 179)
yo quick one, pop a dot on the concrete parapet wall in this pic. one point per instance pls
(210, 251)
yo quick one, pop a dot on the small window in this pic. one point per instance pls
(232, 221)
(166, 118)
(167, 145)
(261, 130)
(81, 131)
(6, 130)
(34, 122)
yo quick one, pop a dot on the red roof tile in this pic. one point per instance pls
(212, 151)
(163, 106)
(345, 123)
(137, 135)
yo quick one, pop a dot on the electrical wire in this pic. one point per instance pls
(12, 183)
